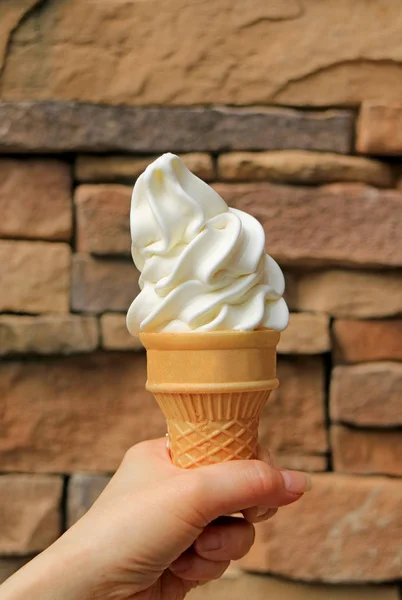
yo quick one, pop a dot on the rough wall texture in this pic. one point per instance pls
(297, 52)
(292, 109)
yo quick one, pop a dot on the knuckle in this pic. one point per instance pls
(265, 480)
(136, 452)
(197, 488)
(190, 508)
(194, 493)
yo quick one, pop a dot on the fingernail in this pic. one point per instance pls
(296, 482)
(212, 541)
(264, 510)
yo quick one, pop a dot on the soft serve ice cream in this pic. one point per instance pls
(203, 265)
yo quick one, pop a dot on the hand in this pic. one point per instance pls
(158, 531)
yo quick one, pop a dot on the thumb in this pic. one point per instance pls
(231, 487)
(183, 506)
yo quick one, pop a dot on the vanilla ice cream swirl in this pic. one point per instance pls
(203, 265)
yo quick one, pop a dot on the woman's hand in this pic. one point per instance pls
(157, 531)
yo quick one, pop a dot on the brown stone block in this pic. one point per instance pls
(100, 285)
(78, 127)
(76, 413)
(368, 395)
(35, 277)
(298, 166)
(47, 334)
(103, 219)
(362, 341)
(35, 199)
(366, 452)
(30, 510)
(339, 224)
(9, 565)
(293, 420)
(301, 462)
(379, 129)
(347, 529)
(237, 586)
(346, 294)
(115, 335)
(123, 168)
(83, 490)
(307, 333)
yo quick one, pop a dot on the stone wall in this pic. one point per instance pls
(290, 109)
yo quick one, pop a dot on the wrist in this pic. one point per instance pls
(61, 571)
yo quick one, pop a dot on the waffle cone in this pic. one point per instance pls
(211, 388)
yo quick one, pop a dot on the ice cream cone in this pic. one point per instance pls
(211, 388)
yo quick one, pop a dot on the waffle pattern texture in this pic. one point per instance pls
(215, 427)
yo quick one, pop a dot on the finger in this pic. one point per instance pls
(231, 487)
(259, 513)
(225, 539)
(181, 506)
(192, 567)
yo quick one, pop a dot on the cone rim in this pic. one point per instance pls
(210, 340)
(208, 388)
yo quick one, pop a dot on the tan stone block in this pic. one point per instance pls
(238, 586)
(35, 277)
(248, 54)
(35, 199)
(48, 334)
(346, 294)
(301, 462)
(77, 127)
(115, 335)
(366, 452)
(347, 529)
(109, 169)
(83, 490)
(12, 14)
(30, 509)
(368, 394)
(293, 420)
(338, 224)
(9, 565)
(103, 219)
(306, 334)
(361, 341)
(75, 413)
(379, 129)
(298, 166)
(100, 285)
